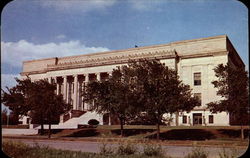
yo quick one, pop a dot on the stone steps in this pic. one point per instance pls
(75, 121)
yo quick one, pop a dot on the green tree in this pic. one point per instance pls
(46, 105)
(4, 117)
(37, 98)
(16, 98)
(232, 85)
(113, 95)
(160, 91)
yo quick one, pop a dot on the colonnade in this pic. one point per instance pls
(72, 86)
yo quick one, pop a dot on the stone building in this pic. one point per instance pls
(193, 59)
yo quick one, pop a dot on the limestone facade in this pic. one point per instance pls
(193, 59)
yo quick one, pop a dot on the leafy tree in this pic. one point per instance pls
(142, 86)
(16, 98)
(36, 98)
(4, 117)
(232, 85)
(113, 96)
(46, 105)
(160, 91)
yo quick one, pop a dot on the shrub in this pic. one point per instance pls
(197, 153)
(15, 149)
(126, 149)
(106, 150)
(152, 150)
(225, 154)
(93, 122)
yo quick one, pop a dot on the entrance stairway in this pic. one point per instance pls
(74, 118)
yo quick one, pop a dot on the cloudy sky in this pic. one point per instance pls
(48, 28)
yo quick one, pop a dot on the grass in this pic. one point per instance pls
(197, 153)
(20, 150)
(193, 133)
(126, 150)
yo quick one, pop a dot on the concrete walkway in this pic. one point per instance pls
(14, 131)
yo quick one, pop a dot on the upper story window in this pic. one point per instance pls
(198, 95)
(197, 78)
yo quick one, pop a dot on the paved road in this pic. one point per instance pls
(86, 146)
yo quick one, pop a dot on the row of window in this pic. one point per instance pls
(210, 119)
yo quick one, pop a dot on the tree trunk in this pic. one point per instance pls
(177, 118)
(49, 134)
(42, 129)
(242, 131)
(49, 130)
(121, 123)
(158, 130)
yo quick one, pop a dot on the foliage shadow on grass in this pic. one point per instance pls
(84, 133)
(131, 132)
(53, 131)
(234, 133)
(184, 134)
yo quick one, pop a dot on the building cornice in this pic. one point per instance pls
(120, 60)
(202, 47)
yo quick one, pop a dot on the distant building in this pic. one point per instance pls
(193, 59)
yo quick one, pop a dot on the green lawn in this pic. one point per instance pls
(21, 150)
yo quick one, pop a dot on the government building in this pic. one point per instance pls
(193, 59)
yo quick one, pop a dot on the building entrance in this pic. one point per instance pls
(197, 119)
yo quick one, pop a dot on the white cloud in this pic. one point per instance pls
(78, 5)
(14, 53)
(61, 36)
(145, 5)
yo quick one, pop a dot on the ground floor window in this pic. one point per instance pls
(184, 119)
(210, 119)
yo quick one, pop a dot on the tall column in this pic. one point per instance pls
(98, 76)
(86, 78)
(65, 88)
(57, 85)
(49, 79)
(85, 82)
(75, 105)
(109, 74)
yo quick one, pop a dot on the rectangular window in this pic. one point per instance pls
(184, 119)
(198, 95)
(210, 119)
(197, 78)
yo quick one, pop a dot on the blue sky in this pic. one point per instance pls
(46, 28)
